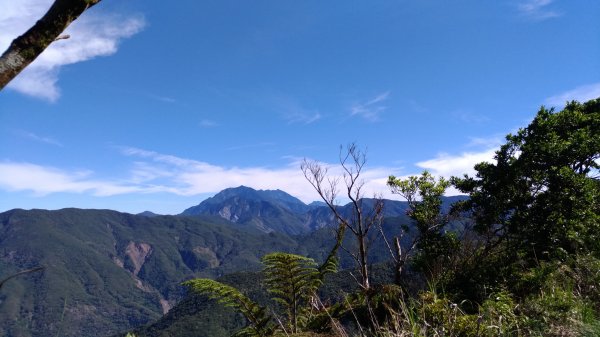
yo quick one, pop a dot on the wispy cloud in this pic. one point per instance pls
(43, 180)
(470, 117)
(293, 111)
(303, 117)
(537, 9)
(250, 146)
(485, 142)
(191, 177)
(582, 93)
(153, 172)
(164, 99)
(416, 106)
(371, 109)
(91, 35)
(207, 123)
(161, 158)
(38, 138)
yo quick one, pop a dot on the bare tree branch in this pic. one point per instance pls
(352, 161)
(27, 47)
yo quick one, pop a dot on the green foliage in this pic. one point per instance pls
(540, 201)
(434, 243)
(536, 240)
(387, 311)
(293, 281)
(542, 196)
(565, 302)
(423, 194)
(260, 322)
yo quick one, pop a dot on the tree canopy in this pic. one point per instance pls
(541, 198)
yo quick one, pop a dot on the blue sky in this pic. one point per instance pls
(155, 105)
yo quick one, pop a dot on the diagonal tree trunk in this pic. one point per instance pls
(27, 47)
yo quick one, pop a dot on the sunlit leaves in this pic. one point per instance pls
(543, 194)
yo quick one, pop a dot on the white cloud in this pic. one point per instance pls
(46, 180)
(371, 109)
(163, 158)
(190, 177)
(153, 172)
(537, 9)
(446, 165)
(582, 93)
(92, 35)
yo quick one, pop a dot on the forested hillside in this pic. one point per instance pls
(106, 271)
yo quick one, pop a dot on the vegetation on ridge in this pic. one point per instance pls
(527, 261)
(519, 257)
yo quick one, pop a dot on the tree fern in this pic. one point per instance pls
(293, 281)
(261, 323)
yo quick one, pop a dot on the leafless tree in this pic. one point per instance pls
(359, 221)
(27, 47)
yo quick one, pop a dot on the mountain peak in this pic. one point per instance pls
(267, 210)
(148, 214)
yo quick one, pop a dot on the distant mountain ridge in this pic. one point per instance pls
(110, 271)
(277, 211)
(278, 197)
(266, 210)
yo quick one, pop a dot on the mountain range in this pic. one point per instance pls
(277, 211)
(266, 210)
(106, 272)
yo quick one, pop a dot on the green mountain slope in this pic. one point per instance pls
(107, 271)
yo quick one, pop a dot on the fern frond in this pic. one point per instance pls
(261, 323)
(292, 280)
